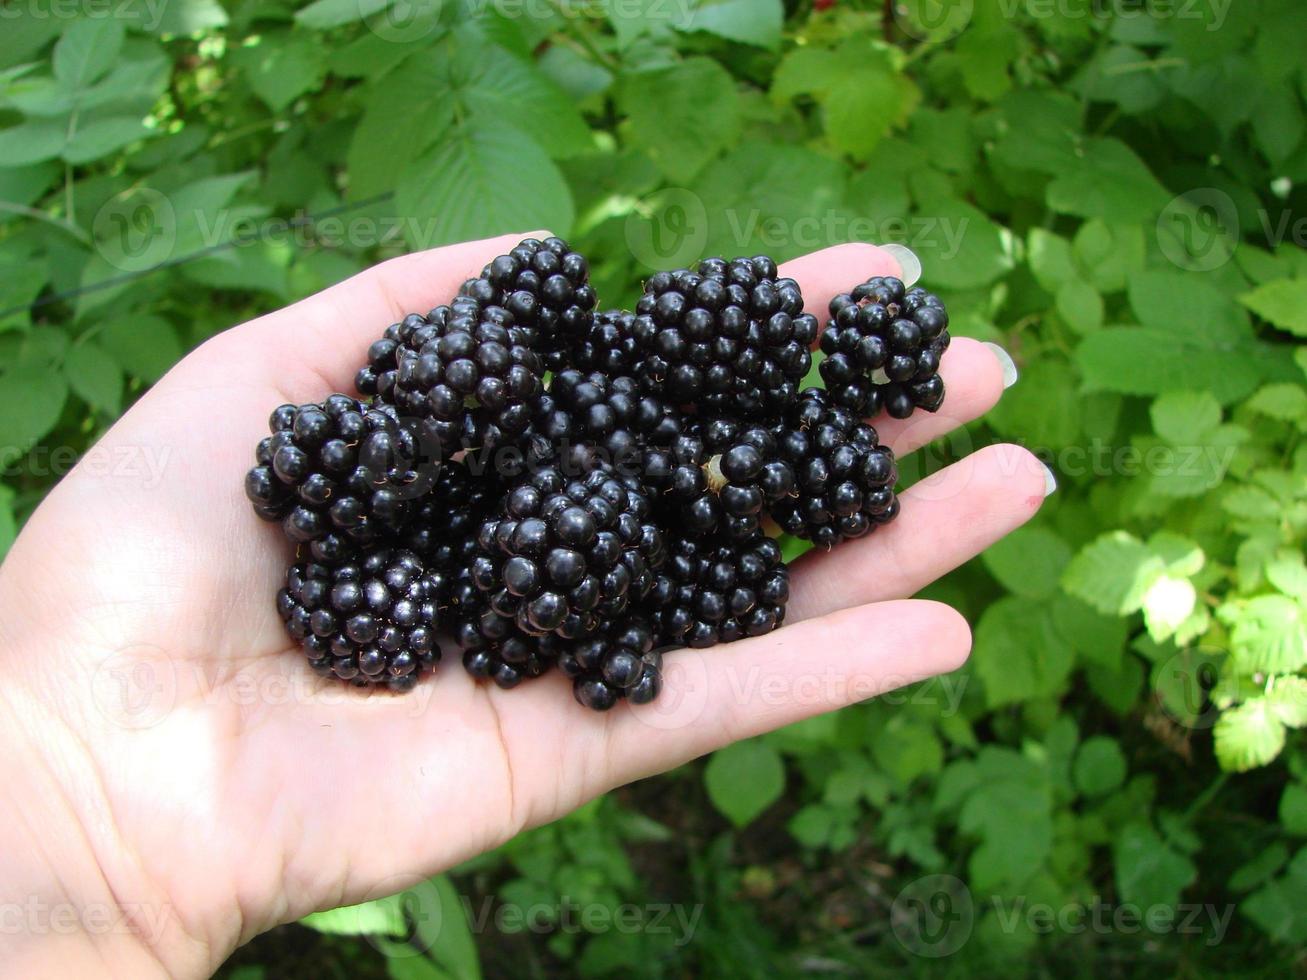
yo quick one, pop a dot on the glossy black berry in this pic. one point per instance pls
(882, 349)
(844, 478)
(617, 661)
(371, 621)
(730, 338)
(340, 474)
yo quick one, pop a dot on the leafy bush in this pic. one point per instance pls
(1109, 190)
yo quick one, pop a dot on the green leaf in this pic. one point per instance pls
(1079, 304)
(282, 67)
(1282, 303)
(1114, 573)
(1107, 181)
(456, 193)
(31, 402)
(756, 22)
(1098, 638)
(1279, 908)
(1141, 361)
(414, 968)
(1167, 604)
(1029, 561)
(1018, 654)
(95, 377)
(382, 917)
(446, 934)
(744, 779)
(682, 115)
(1044, 408)
(1010, 810)
(1261, 867)
(1248, 736)
(1099, 766)
(8, 523)
(32, 142)
(1108, 255)
(102, 137)
(1268, 633)
(1050, 259)
(87, 50)
(183, 17)
(1185, 418)
(1288, 573)
(1293, 809)
(1148, 871)
(1285, 401)
(322, 15)
(961, 247)
(145, 346)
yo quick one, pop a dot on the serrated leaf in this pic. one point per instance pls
(1288, 573)
(744, 779)
(1248, 736)
(756, 22)
(31, 402)
(961, 246)
(1284, 401)
(1079, 304)
(1185, 418)
(682, 115)
(1148, 871)
(1107, 181)
(1282, 303)
(1018, 654)
(1144, 361)
(1268, 633)
(456, 192)
(1113, 573)
(95, 377)
(1288, 699)
(282, 67)
(1099, 766)
(1028, 562)
(1182, 555)
(322, 15)
(1168, 602)
(87, 50)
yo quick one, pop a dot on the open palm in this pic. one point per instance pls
(194, 774)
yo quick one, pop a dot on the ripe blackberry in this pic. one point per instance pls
(469, 369)
(883, 346)
(844, 477)
(372, 621)
(563, 554)
(495, 649)
(339, 474)
(443, 528)
(730, 338)
(714, 590)
(721, 476)
(591, 411)
(609, 346)
(618, 661)
(546, 287)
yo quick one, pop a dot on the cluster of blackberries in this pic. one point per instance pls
(552, 486)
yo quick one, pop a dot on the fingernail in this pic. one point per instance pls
(1009, 365)
(909, 264)
(1050, 481)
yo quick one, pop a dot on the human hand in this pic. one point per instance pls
(169, 760)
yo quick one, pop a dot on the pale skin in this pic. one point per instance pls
(172, 779)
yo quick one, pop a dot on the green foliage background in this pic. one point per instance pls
(1111, 190)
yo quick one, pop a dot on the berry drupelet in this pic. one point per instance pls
(844, 478)
(372, 621)
(609, 346)
(338, 474)
(546, 287)
(564, 554)
(713, 590)
(883, 347)
(729, 337)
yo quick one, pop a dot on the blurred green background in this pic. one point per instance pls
(1111, 189)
